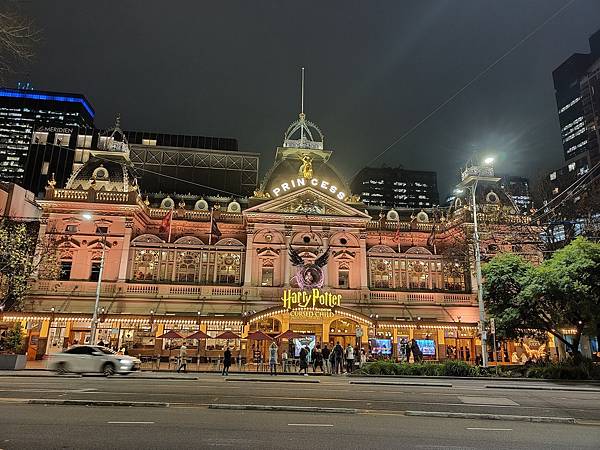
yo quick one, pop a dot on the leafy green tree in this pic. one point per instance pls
(563, 292)
(13, 343)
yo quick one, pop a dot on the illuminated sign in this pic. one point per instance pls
(323, 185)
(312, 299)
(310, 313)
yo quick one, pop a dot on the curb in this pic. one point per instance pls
(489, 379)
(400, 383)
(312, 409)
(509, 417)
(543, 388)
(275, 380)
(96, 403)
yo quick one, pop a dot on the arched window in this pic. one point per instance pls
(454, 276)
(187, 266)
(418, 275)
(229, 268)
(381, 273)
(145, 265)
(269, 325)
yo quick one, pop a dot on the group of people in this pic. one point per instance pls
(332, 361)
(410, 347)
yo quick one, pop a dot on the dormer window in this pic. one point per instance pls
(100, 173)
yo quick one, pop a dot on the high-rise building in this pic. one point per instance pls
(577, 91)
(164, 164)
(197, 165)
(396, 187)
(23, 111)
(518, 190)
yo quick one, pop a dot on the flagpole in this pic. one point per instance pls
(211, 226)
(170, 226)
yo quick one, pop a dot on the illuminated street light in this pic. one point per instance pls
(88, 216)
(471, 176)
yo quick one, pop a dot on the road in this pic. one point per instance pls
(379, 422)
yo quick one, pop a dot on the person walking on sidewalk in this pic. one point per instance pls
(338, 358)
(182, 358)
(226, 361)
(349, 359)
(325, 353)
(317, 358)
(284, 361)
(273, 359)
(304, 361)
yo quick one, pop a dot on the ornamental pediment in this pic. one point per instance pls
(307, 202)
(268, 252)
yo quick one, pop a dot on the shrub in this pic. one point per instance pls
(459, 369)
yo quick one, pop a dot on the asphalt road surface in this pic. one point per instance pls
(379, 422)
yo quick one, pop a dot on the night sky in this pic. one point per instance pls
(374, 70)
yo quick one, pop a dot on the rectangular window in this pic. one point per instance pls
(344, 279)
(553, 176)
(101, 230)
(71, 229)
(267, 276)
(571, 167)
(95, 273)
(65, 270)
(45, 167)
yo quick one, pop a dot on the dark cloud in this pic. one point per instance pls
(374, 69)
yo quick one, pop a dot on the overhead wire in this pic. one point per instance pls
(472, 81)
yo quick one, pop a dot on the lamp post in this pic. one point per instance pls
(470, 178)
(94, 328)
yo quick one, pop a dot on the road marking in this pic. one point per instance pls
(310, 424)
(118, 422)
(489, 429)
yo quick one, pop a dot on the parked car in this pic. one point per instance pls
(92, 359)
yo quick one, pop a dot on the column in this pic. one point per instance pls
(249, 258)
(441, 345)
(125, 250)
(40, 246)
(364, 281)
(328, 266)
(286, 259)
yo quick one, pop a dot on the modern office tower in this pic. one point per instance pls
(23, 111)
(396, 187)
(518, 190)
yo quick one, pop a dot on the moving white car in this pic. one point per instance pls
(92, 359)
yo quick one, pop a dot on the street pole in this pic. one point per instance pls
(98, 287)
(484, 354)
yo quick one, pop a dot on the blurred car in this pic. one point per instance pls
(92, 359)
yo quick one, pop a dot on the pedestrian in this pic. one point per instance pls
(304, 361)
(284, 361)
(363, 358)
(338, 358)
(325, 353)
(273, 359)
(408, 351)
(349, 359)
(317, 358)
(182, 358)
(226, 361)
(416, 351)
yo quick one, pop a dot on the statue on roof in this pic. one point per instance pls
(306, 169)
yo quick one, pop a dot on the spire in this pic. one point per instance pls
(311, 136)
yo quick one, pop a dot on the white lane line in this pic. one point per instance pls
(490, 429)
(120, 423)
(310, 424)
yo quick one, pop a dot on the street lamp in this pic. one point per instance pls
(94, 328)
(470, 177)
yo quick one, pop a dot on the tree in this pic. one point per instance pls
(18, 37)
(563, 292)
(21, 255)
(13, 342)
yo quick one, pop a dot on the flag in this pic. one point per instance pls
(214, 228)
(431, 239)
(166, 222)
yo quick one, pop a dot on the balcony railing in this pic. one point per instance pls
(120, 290)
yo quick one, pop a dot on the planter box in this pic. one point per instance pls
(12, 362)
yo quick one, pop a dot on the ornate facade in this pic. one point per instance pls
(402, 274)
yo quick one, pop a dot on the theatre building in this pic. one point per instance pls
(301, 254)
